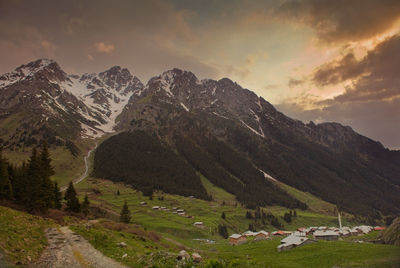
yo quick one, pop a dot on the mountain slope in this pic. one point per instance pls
(50, 104)
(203, 125)
(327, 160)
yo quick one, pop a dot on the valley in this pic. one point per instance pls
(220, 153)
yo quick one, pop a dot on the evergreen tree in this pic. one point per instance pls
(287, 217)
(32, 181)
(6, 191)
(57, 196)
(85, 205)
(223, 231)
(46, 171)
(223, 215)
(252, 227)
(72, 201)
(125, 215)
(118, 193)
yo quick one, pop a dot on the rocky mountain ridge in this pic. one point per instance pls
(201, 121)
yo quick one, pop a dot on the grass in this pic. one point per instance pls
(66, 166)
(180, 227)
(105, 236)
(181, 231)
(319, 255)
(314, 203)
(22, 235)
(218, 194)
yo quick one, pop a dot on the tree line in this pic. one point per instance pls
(30, 186)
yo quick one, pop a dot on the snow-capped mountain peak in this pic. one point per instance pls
(93, 100)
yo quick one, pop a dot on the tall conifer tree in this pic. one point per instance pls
(6, 191)
(72, 200)
(57, 196)
(85, 205)
(46, 171)
(125, 215)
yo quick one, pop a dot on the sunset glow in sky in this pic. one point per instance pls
(320, 60)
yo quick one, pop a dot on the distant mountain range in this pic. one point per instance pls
(209, 128)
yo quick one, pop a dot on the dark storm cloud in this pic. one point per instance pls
(342, 20)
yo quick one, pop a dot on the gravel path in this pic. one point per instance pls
(67, 249)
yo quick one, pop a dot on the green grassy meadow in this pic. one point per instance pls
(183, 234)
(22, 237)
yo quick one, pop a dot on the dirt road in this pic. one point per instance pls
(67, 249)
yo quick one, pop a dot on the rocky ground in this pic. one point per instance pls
(67, 249)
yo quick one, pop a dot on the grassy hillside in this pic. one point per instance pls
(22, 236)
(178, 232)
(181, 227)
(66, 166)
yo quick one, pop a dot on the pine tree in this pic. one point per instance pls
(223, 231)
(85, 205)
(72, 201)
(32, 181)
(223, 215)
(57, 196)
(46, 171)
(118, 193)
(6, 191)
(125, 215)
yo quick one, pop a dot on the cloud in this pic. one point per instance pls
(342, 20)
(375, 76)
(370, 102)
(295, 82)
(104, 48)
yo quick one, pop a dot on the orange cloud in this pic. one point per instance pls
(104, 48)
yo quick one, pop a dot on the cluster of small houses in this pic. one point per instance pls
(302, 236)
(175, 210)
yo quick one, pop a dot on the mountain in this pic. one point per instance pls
(219, 126)
(176, 128)
(40, 101)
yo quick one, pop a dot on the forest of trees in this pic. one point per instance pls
(141, 160)
(229, 170)
(30, 186)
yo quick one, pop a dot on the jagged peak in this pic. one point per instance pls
(39, 65)
(115, 70)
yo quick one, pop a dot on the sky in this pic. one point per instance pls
(315, 60)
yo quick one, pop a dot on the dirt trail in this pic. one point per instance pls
(67, 249)
(85, 174)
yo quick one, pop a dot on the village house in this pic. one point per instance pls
(261, 235)
(281, 233)
(298, 233)
(326, 235)
(363, 229)
(199, 224)
(237, 239)
(143, 203)
(378, 228)
(249, 233)
(156, 207)
(353, 231)
(293, 241)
